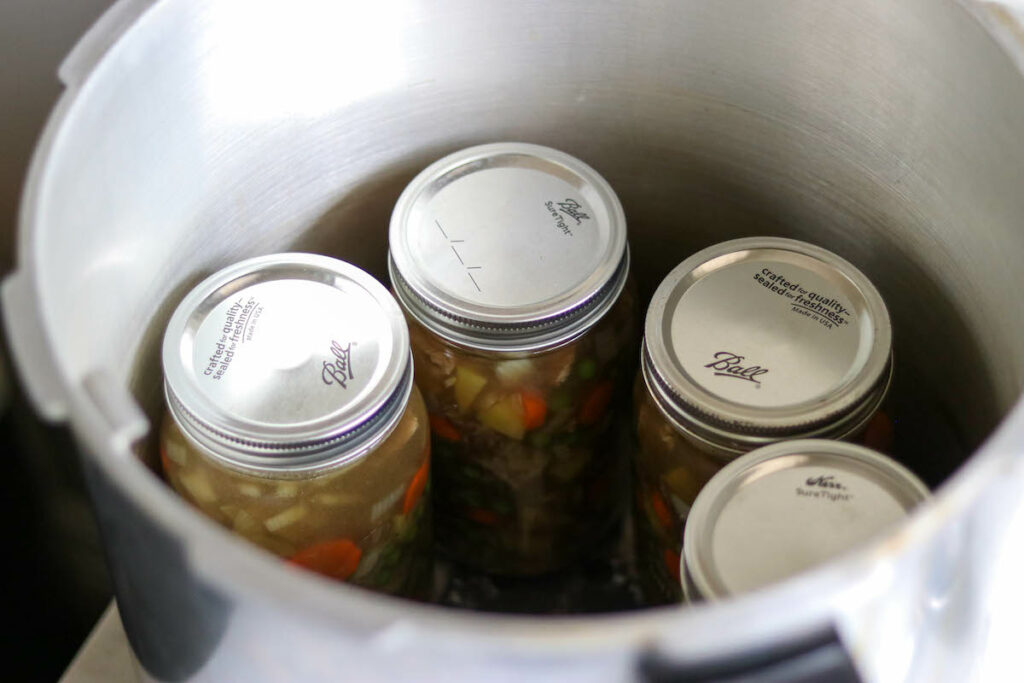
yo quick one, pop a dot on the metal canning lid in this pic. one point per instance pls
(508, 247)
(763, 338)
(288, 361)
(787, 507)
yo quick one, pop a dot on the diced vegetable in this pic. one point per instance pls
(535, 409)
(406, 429)
(384, 505)
(505, 417)
(416, 486)
(362, 501)
(245, 524)
(661, 510)
(672, 563)
(401, 525)
(682, 482)
(442, 427)
(368, 562)
(333, 499)
(513, 371)
(198, 486)
(286, 518)
(560, 363)
(336, 559)
(526, 485)
(468, 385)
(175, 452)
(250, 490)
(482, 516)
(595, 403)
(286, 489)
(586, 368)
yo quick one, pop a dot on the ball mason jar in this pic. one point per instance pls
(292, 419)
(746, 343)
(511, 263)
(785, 508)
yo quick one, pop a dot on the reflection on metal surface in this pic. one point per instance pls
(300, 59)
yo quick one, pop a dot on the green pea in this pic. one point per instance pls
(586, 368)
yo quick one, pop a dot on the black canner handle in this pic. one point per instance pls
(820, 658)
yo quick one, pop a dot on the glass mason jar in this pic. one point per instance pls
(747, 343)
(785, 508)
(293, 420)
(511, 263)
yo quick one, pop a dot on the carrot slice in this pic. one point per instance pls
(672, 563)
(416, 486)
(535, 409)
(165, 462)
(661, 510)
(596, 403)
(482, 516)
(879, 432)
(441, 426)
(337, 559)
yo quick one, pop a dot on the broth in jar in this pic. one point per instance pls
(293, 420)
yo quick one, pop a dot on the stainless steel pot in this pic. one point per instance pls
(193, 133)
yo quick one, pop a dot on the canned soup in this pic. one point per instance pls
(292, 419)
(511, 263)
(747, 343)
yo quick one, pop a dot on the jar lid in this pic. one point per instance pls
(787, 507)
(508, 247)
(761, 338)
(287, 361)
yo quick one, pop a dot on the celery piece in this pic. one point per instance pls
(285, 518)
(198, 486)
(250, 490)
